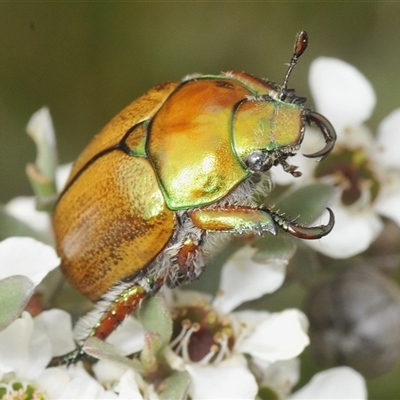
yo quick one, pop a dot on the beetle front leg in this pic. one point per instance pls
(235, 219)
(259, 220)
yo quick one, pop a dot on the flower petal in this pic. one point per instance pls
(24, 208)
(40, 128)
(57, 325)
(388, 139)
(280, 376)
(129, 337)
(243, 279)
(62, 174)
(26, 256)
(83, 386)
(231, 379)
(108, 372)
(357, 138)
(128, 387)
(335, 383)
(279, 337)
(389, 207)
(341, 92)
(24, 350)
(178, 297)
(39, 354)
(53, 381)
(14, 342)
(351, 235)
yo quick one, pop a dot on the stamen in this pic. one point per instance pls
(185, 327)
(207, 358)
(203, 337)
(223, 349)
(16, 389)
(184, 345)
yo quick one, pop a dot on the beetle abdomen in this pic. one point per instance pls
(109, 224)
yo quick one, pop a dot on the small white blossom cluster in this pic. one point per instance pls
(271, 340)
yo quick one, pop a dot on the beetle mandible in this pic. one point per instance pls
(179, 164)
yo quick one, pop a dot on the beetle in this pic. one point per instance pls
(176, 166)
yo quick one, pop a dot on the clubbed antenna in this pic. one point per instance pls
(300, 46)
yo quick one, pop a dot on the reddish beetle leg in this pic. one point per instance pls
(127, 302)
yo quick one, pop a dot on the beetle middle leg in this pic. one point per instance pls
(187, 259)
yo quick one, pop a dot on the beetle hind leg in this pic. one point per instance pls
(107, 315)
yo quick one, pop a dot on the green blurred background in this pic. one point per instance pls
(86, 61)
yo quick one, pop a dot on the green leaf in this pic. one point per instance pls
(15, 292)
(153, 344)
(306, 203)
(305, 265)
(175, 386)
(267, 393)
(156, 317)
(105, 351)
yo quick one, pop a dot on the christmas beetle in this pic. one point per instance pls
(176, 166)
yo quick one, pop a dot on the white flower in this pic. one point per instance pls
(214, 345)
(336, 383)
(24, 207)
(364, 169)
(131, 386)
(26, 348)
(81, 385)
(243, 279)
(279, 376)
(21, 352)
(24, 262)
(124, 381)
(341, 92)
(213, 341)
(27, 345)
(231, 379)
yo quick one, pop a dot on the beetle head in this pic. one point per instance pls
(267, 129)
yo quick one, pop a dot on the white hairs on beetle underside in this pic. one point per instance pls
(245, 194)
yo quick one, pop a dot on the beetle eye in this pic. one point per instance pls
(257, 161)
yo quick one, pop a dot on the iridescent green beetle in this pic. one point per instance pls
(177, 165)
